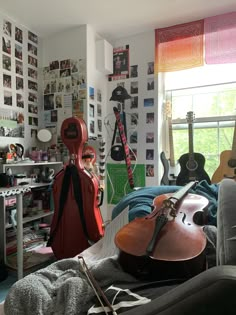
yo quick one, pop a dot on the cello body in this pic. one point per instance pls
(69, 238)
(179, 246)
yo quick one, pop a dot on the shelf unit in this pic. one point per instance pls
(18, 191)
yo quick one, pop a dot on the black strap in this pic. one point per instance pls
(114, 134)
(71, 171)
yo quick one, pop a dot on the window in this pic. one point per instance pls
(213, 107)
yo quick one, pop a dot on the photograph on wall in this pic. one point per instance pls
(148, 102)
(134, 87)
(134, 137)
(150, 68)
(6, 62)
(7, 98)
(33, 133)
(83, 93)
(99, 95)
(19, 83)
(65, 73)
(19, 100)
(78, 108)
(53, 65)
(134, 102)
(18, 52)
(134, 71)
(149, 154)
(120, 64)
(150, 118)
(46, 73)
(49, 102)
(33, 109)
(53, 115)
(92, 126)
(65, 64)
(32, 37)
(150, 137)
(32, 85)
(134, 119)
(19, 67)
(18, 35)
(53, 86)
(91, 93)
(75, 79)
(32, 61)
(68, 85)
(91, 110)
(150, 84)
(32, 73)
(7, 28)
(33, 121)
(82, 80)
(74, 66)
(11, 123)
(32, 97)
(7, 81)
(32, 49)
(99, 125)
(99, 110)
(59, 100)
(6, 45)
(60, 85)
(150, 170)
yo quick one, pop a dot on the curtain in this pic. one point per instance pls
(220, 38)
(179, 47)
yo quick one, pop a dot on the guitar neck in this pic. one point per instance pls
(190, 139)
(171, 143)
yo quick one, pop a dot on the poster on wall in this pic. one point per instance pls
(11, 123)
(120, 64)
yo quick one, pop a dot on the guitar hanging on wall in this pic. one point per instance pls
(171, 168)
(227, 166)
(191, 164)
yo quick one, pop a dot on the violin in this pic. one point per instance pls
(168, 242)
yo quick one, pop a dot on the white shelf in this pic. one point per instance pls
(32, 218)
(31, 164)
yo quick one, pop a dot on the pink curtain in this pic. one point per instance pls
(220, 38)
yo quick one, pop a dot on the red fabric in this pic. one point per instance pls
(179, 47)
(220, 38)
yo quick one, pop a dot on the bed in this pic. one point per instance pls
(62, 289)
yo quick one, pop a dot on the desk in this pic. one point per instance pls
(17, 191)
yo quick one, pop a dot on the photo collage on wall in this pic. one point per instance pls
(132, 113)
(14, 56)
(95, 112)
(64, 91)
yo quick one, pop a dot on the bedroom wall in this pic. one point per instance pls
(12, 57)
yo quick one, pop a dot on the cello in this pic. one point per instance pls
(167, 243)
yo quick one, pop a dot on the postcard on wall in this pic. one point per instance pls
(6, 45)
(11, 123)
(18, 35)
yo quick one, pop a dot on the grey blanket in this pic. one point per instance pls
(62, 288)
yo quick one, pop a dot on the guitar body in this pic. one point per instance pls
(192, 170)
(170, 172)
(227, 167)
(191, 164)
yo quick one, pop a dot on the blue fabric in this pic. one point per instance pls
(140, 201)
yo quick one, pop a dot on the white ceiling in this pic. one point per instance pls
(112, 19)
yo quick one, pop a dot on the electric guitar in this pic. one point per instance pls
(227, 166)
(171, 168)
(191, 164)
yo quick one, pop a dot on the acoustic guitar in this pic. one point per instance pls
(227, 166)
(170, 166)
(192, 163)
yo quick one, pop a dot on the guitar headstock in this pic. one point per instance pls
(190, 117)
(167, 110)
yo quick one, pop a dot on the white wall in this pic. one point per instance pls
(142, 51)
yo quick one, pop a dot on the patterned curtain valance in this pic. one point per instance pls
(179, 47)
